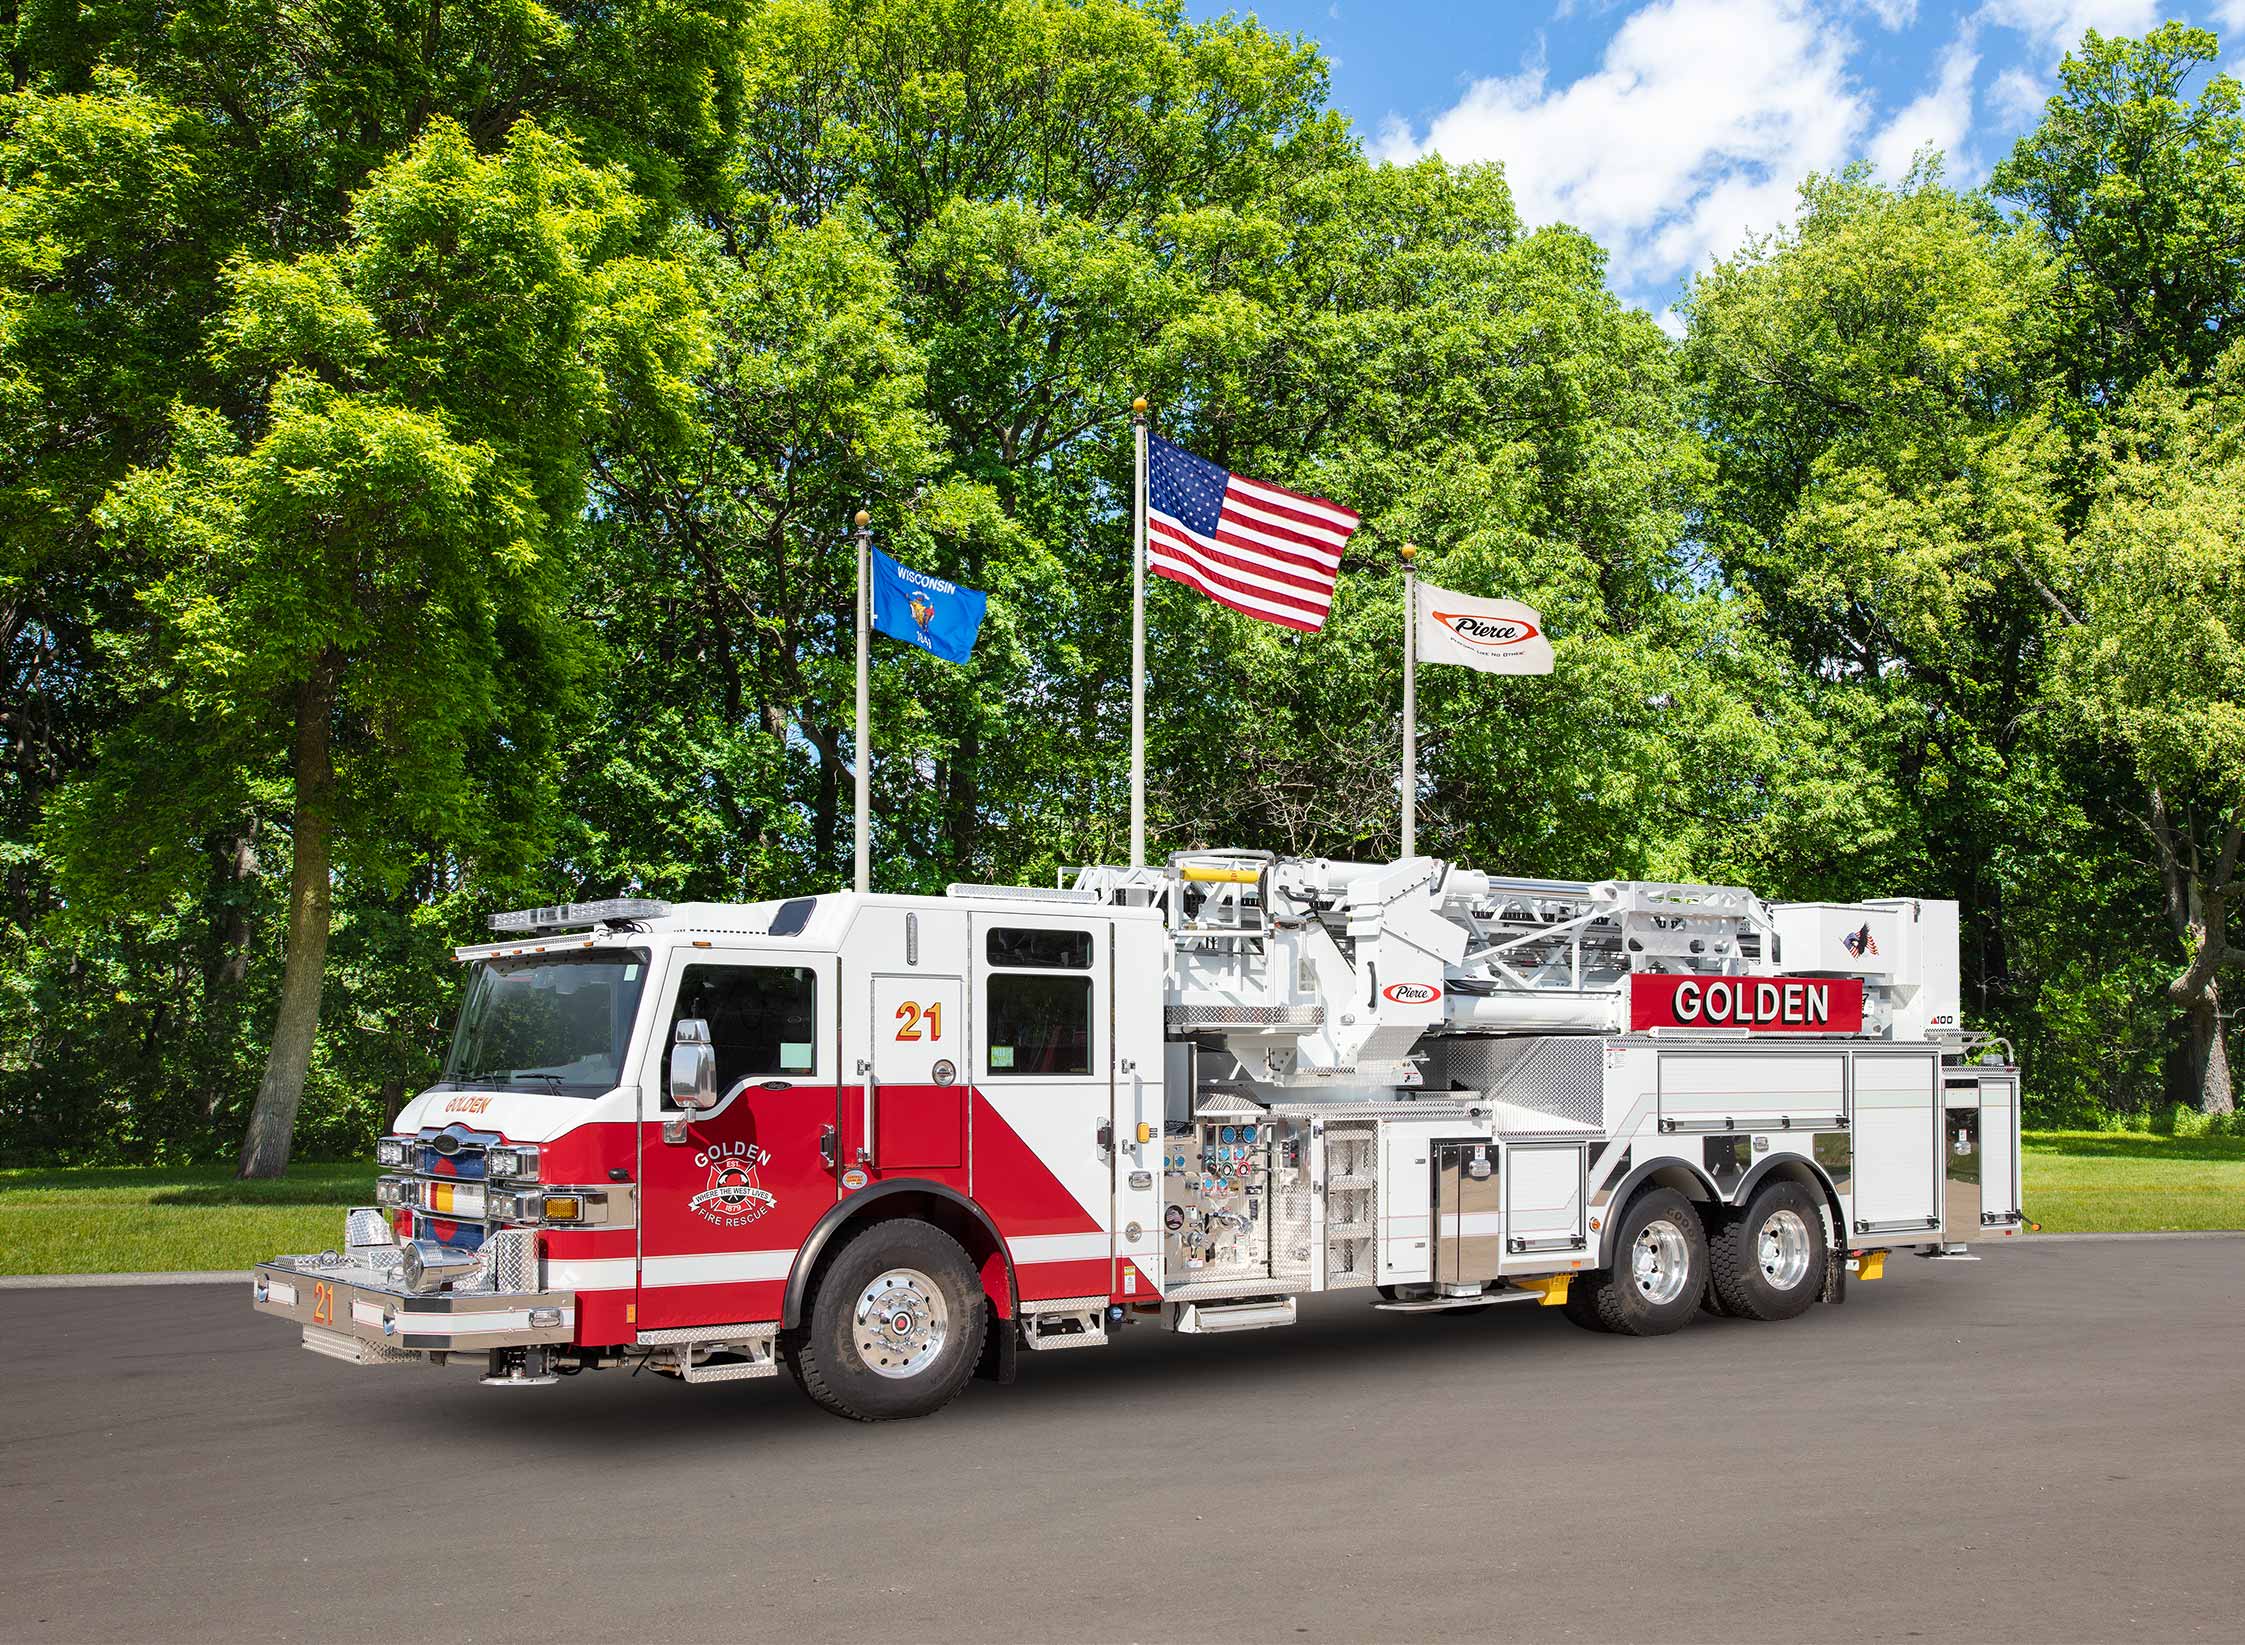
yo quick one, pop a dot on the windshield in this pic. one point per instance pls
(555, 1023)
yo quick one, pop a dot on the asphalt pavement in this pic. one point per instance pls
(2047, 1445)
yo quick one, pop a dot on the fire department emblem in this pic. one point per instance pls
(734, 1198)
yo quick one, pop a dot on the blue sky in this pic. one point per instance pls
(1672, 128)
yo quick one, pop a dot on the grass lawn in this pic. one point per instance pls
(147, 1219)
(134, 1219)
(2120, 1181)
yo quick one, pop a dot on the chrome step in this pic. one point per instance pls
(1053, 1329)
(1443, 1305)
(1211, 1318)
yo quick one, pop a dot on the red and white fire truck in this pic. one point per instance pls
(892, 1141)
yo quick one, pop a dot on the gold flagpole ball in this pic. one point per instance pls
(1409, 551)
(862, 519)
(1139, 405)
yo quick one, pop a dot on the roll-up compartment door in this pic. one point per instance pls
(1704, 1091)
(2000, 1189)
(1543, 1198)
(1897, 1125)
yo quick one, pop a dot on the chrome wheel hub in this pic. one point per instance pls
(1659, 1262)
(1782, 1247)
(901, 1323)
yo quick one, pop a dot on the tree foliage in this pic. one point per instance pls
(428, 437)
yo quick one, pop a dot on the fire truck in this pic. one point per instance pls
(894, 1142)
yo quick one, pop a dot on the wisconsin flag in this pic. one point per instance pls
(1495, 636)
(937, 616)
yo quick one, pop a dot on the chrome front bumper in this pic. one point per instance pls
(353, 1304)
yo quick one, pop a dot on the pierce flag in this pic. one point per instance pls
(1495, 636)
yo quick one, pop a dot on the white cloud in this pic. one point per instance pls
(2058, 25)
(2017, 98)
(1695, 129)
(1893, 14)
(1940, 117)
(2231, 14)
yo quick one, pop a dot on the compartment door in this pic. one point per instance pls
(1897, 1124)
(1543, 1199)
(1469, 1225)
(2000, 1188)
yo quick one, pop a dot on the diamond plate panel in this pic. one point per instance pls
(1188, 1018)
(1558, 1074)
(508, 1261)
(1352, 1203)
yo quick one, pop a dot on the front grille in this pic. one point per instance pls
(459, 1159)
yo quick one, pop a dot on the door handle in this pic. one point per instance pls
(826, 1145)
(1105, 1136)
(865, 1135)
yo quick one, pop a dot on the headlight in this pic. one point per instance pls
(546, 1206)
(392, 1192)
(392, 1151)
(512, 1160)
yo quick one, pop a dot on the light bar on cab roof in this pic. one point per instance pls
(558, 915)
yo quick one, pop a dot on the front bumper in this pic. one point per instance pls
(353, 1305)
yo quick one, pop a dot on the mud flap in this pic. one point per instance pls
(1001, 1351)
(1835, 1271)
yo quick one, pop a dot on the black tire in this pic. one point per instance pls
(881, 1382)
(1778, 1280)
(1581, 1306)
(1666, 1297)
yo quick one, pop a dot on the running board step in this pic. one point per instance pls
(1048, 1329)
(722, 1359)
(1210, 1318)
(1444, 1305)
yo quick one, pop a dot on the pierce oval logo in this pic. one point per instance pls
(1411, 993)
(1489, 633)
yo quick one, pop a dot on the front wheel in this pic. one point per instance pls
(895, 1326)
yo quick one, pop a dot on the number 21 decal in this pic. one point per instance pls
(911, 1014)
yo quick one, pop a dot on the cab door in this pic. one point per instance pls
(724, 1206)
(1043, 1116)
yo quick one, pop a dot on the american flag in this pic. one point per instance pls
(1260, 549)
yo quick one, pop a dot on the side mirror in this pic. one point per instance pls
(693, 1066)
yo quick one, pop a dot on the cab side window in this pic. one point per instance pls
(763, 1019)
(1038, 1009)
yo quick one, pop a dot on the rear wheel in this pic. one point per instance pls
(1659, 1271)
(1769, 1261)
(895, 1326)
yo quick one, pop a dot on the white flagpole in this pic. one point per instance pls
(1138, 644)
(1410, 704)
(864, 709)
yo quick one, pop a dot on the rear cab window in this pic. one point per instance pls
(1037, 1002)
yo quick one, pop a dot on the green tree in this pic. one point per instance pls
(1886, 486)
(2152, 660)
(2140, 194)
(361, 582)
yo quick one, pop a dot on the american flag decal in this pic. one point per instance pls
(1860, 943)
(1260, 549)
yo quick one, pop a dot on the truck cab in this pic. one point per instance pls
(658, 1125)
